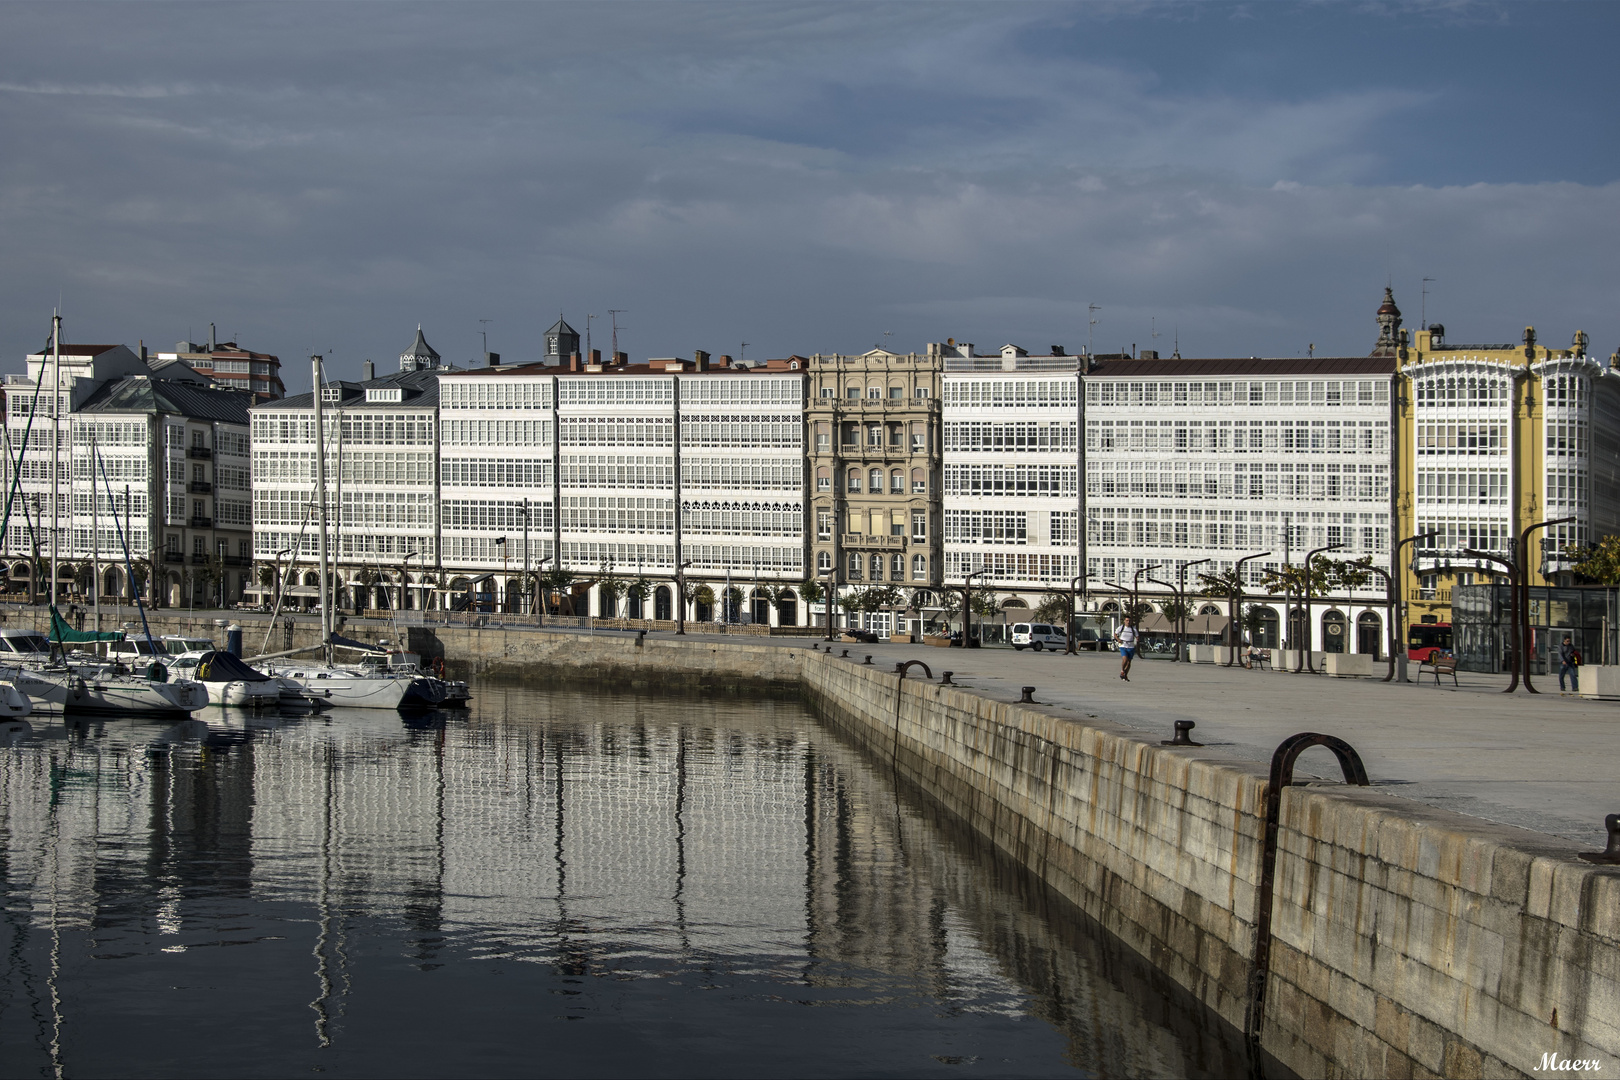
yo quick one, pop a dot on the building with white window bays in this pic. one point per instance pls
(381, 445)
(627, 471)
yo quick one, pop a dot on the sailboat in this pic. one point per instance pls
(351, 687)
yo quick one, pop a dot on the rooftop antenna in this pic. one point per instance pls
(742, 352)
(887, 334)
(1153, 331)
(483, 332)
(614, 313)
(1423, 307)
(1177, 354)
(1091, 321)
(588, 319)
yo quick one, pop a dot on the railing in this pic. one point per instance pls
(174, 556)
(200, 487)
(201, 453)
(1442, 596)
(863, 540)
(198, 558)
(202, 523)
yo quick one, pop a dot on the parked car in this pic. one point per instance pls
(1037, 636)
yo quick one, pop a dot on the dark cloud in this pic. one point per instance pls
(801, 177)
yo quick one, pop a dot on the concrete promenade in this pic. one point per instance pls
(1545, 763)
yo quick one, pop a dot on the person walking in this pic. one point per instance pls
(1127, 647)
(1569, 663)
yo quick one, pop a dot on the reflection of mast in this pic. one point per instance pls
(680, 835)
(323, 976)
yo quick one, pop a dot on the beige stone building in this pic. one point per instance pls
(875, 471)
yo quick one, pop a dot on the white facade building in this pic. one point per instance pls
(629, 469)
(1012, 468)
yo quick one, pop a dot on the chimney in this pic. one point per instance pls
(573, 361)
(1057, 350)
(620, 358)
(725, 361)
(700, 360)
(143, 350)
(596, 357)
(492, 359)
(210, 337)
(368, 371)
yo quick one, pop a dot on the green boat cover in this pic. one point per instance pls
(61, 631)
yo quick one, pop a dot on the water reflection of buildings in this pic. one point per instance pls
(620, 836)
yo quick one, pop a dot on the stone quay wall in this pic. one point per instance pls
(1407, 940)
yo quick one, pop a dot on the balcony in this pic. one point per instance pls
(174, 556)
(200, 453)
(234, 560)
(202, 523)
(198, 559)
(200, 487)
(1432, 596)
(874, 543)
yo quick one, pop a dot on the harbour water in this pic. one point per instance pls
(566, 882)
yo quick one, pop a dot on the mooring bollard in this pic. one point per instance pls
(1029, 696)
(868, 659)
(843, 654)
(1183, 735)
(1611, 854)
(945, 680)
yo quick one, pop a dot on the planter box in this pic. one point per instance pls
(1207, 654)
(1287, 659)
(1600, 682)
(938, 641)
(1349, 665)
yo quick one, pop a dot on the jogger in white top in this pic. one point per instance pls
(1127, 648)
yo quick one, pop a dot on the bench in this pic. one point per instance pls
(1259, 658)
(1439, 665)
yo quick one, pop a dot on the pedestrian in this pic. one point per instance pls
(1569, 663)
(1127, 647)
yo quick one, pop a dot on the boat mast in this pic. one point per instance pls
(95, 530)
(320, 502)
(56, 445)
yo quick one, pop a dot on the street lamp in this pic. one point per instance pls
(830, 599)
(967, 605)
(500, 542)
(1074, 588)
(1136, 585)
(1398, 622)
(1522, 558)
(1181, 579)
(540, 607)
(1233, 603)
(524, 510)
(680, 597)
(1310, 573)
(405, 580)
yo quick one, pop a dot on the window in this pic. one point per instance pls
(897, 567)
(823, 562)
(853, 393)
(875, 393)
(919, 481)
(855, 562)
(242, 550)
(823, 437)
(172, 544)
(897, 482)
(823, 479)
(877, 567)
(919, 568)
(897, 392)
(897, 523)
(875, 482)
(197, 508)
(919, 524)
(196, 438)
(826, 391)
(874, 434)
(918, 437)
(922, 391)
(824, 524)
(197, 547)
(855, 480)
(897, 436)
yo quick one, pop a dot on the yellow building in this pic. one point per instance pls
(1493, 439)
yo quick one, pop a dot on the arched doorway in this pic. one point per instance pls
(174, 589)
(1265, 632)
(1335, 631)
(662, 609)
(633, 604)
(514, 595)
(1369, 634)
(759, 607)
(109, 583)
(787, 608)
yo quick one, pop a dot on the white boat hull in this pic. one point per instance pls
(95, 692)
(14, 703)
(243, 694)
(357, 690)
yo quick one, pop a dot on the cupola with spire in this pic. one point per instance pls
(1389, 325)
(420, 356)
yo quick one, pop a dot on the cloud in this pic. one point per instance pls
(802, 177)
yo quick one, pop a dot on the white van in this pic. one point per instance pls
(1037, 636)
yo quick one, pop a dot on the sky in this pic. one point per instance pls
(1241, 179)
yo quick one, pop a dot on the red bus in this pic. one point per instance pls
(1423, 640)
